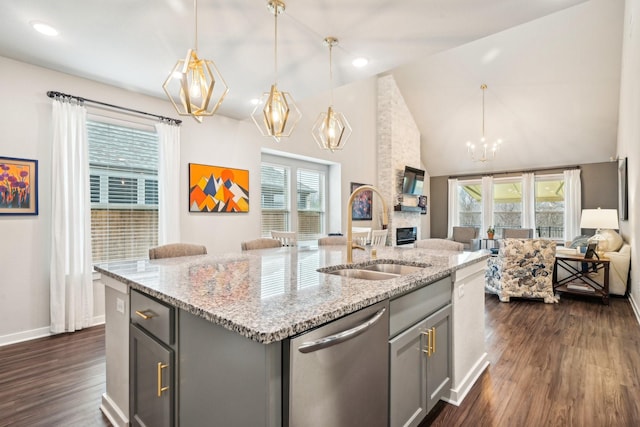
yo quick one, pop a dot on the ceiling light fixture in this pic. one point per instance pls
(331, 129)
(43, 28)
(280, 114)
(485, 151)
(360, 62)
(195, 86)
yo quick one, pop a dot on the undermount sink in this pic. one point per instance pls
(380, 271)
(397, 269)
(357, 273)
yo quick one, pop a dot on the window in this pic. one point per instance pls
(284, 180)
(274, 185)
(550, 206)
(507, 205)
(470, 204)
(310, 189)
(124, 191)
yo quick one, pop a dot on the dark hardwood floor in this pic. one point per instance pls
(576, 363)
(55, 381)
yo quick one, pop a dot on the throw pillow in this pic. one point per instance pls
(613, 241)
(580, 241)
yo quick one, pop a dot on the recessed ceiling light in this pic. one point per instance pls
(360, 62)
(43, 28)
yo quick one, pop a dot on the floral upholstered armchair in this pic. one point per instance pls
(523, 268)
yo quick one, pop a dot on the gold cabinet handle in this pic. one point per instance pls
(147, 314)
(428, 350)
(433, 341)
(160, 388)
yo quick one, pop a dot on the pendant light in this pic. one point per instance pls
(331, 130)
(485, 151)
(276, 114)
(195, 86)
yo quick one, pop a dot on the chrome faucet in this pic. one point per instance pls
(385, 218)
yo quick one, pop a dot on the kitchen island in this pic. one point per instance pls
(257, 302)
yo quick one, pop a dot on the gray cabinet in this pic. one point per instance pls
(420, 354)
(438, 359)
(152, 385)
(151, 362)
(408, 376)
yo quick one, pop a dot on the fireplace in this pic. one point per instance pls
(406, 235)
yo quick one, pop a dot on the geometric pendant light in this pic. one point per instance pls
(331, 130)
(277, 113)
(195, 87)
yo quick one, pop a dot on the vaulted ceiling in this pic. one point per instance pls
(439, 51)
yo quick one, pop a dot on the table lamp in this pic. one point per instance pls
(599, 219)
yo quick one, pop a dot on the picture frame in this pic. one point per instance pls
(422, 204)
(362, 208)
(591, 251)
(623, 203)
(18, 186)
(218, 189)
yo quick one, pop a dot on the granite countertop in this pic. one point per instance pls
(269, 295)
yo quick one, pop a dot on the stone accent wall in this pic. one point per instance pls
(398, 146)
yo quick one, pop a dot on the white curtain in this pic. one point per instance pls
(452, 217)
(572, 204)
(487, 204)
(169, 183)
(529, 202)
(71, 283)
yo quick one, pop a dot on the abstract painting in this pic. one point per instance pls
(361, 209)
(218, 189)
(18, 186)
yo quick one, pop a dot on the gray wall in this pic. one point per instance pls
(599, 189)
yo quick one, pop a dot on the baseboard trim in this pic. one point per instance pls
(112, 412)
(634, 307)
(24, 336)
(457, 395)
(33, 334)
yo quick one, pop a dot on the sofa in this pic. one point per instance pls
(439, 244)
(620, 256)
(523, 268)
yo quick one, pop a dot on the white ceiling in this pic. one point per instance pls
(135, 43)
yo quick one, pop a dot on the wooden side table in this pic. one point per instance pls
(579, 281)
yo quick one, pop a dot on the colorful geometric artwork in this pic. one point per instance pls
(218, 189)
(18, 186)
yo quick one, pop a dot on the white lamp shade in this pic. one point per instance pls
(599, 219)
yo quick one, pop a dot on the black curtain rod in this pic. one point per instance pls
(476, 175)
(53, 94)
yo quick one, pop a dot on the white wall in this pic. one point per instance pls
(629, 136)
(26, 113)
(552, 86)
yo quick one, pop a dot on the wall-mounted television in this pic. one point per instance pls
(413, 181)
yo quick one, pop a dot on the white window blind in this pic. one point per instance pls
(274, 185)
(310, 202)
(123, 168)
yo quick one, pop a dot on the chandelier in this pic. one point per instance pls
(195, 87)
(331, 129)
(484, 151)
(279, 114)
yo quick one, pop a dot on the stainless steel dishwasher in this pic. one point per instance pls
(338, 374)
